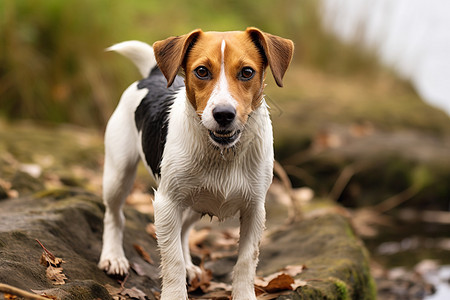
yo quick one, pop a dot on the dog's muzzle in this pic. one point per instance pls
(225, 133)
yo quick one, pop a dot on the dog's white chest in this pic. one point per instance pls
(206, 202)
(219, 186)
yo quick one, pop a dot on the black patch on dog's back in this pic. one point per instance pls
(151, 116)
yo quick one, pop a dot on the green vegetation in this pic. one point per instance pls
(52, 64)
(53, 67)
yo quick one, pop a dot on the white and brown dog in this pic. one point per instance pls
(207, 141)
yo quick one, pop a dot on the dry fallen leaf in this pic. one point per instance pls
(122, 293)
(281, 282)
(201, 283)
(144, 254)
(56, 275)
(196, 239)
(134, 293)
(293, 270)
(53, 264)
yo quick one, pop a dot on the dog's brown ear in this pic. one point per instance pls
(171, 52)
(277, 50)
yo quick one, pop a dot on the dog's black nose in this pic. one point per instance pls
(224, 115)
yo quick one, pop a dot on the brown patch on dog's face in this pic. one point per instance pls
(233, 53)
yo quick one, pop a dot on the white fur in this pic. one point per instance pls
(196, 178)
(220, 96)
(141, 54)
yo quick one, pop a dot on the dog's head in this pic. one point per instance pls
(224, 74)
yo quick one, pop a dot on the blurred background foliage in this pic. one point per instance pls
(53, 66)
(53, 69)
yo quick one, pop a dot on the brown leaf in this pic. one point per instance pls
(294, 270)
(55, 275)
(54, 270)
(134, 293)
(201, 283)
(274, 283)
(48, 259)
(125, 293)
(280, 283)
(144, 254)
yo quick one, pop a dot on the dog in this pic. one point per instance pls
(206, 139)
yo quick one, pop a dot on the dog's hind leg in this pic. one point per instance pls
(189, 219)
(121, 158)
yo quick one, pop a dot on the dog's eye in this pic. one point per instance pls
(246, 73)
(202, 73)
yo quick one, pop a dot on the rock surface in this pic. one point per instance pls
(69, 224)
(54, 202)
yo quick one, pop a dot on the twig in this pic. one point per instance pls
(344, 179)
(46, 251)
(8, 289)
(396, 200)
(295, 214)
(122, 284)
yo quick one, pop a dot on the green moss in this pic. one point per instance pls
(341, 289)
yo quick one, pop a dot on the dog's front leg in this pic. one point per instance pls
(168, 222)
(252, 226)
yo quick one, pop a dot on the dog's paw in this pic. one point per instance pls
(114, 265)
(192, 272)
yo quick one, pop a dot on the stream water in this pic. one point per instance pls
(412, 36)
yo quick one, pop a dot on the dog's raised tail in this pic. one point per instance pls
(140, 53)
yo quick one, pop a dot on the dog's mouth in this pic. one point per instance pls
(225, 137)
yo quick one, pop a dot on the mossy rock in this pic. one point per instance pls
(69, 224)
(336, 261)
